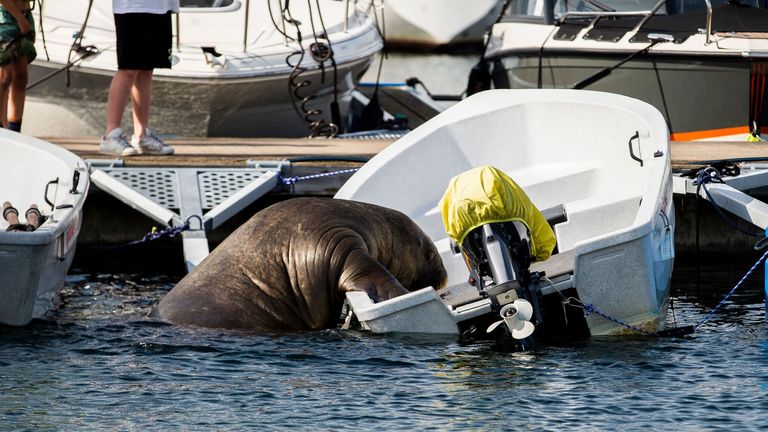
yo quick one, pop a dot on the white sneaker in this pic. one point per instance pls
(151, 144)
(116, 143)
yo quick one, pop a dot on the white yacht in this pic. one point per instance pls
(702, 63)
(241, 68)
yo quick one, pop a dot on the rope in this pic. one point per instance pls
(290, 181)
(678, 331)
(589, 309)
(169, 232)
(712, 175)
(155, 234)
(762, 258)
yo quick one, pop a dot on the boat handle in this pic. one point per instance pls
(75, 182)
(631, 152)
(45, 196)
(664, 216)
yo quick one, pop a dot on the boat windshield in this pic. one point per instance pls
(205, 3)
(671, 7)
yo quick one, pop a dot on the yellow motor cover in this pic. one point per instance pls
(486, 195)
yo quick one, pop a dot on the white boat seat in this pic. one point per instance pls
(555, 215)
(458, 295)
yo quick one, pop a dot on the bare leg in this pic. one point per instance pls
(141, 98)
(12, 216)
(119, 92)
(6, 74)
(33, 216)
(18, 90)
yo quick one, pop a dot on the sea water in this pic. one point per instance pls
(99, 363)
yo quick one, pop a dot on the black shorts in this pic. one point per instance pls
(143, 40)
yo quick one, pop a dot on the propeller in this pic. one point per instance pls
(516, 316)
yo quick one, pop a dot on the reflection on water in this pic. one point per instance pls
(100, 364)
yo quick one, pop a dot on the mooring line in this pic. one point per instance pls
(290, 181)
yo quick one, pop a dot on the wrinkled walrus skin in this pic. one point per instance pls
(288, 268)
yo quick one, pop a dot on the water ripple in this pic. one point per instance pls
(98, 363)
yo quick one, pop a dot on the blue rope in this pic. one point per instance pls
(681, 331)
(589, 309)
(711, 175)
(762, 258)
(289, 181)
(170, 232)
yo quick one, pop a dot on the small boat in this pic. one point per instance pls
(240, 68)
(701, 63)
(600, 175)
(438, 23)
(33, 264)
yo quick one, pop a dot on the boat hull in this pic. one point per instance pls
(437, 23)
(33, 264)
(701, 97)
(238, 69)
(256, 106)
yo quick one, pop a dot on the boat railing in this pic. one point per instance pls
(346, 16)
(600, 14)
(709, 20)
(651, 13)
(647, 14)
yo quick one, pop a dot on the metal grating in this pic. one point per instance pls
(216, 186)
(160, 186)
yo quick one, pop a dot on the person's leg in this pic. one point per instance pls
(10, 213)
(119, 93)
(33, 216)
(6, 74)
(141, 99)
(17, 93)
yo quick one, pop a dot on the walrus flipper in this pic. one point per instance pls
(362, 273)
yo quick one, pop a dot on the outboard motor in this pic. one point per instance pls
(498, 256)
(500, 233)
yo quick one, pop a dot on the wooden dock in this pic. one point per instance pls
(307, 156)
(235, 152)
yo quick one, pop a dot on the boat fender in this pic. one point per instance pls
(479, 79)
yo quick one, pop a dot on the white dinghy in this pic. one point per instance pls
(33, 264)
(240, 68)
(596, 164)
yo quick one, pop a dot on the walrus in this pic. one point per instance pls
(289, 266)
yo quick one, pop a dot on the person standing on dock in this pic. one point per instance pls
(17, 50)
(144, 38)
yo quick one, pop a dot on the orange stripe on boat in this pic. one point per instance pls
(709, 133)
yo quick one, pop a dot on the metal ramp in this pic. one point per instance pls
(730, 196)
(204, 197)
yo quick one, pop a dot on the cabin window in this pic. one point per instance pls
(205, 3)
